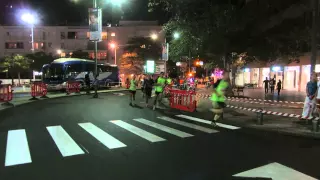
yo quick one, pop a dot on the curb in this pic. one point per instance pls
(65, 96)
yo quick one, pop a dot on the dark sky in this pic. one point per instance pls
(74, 12)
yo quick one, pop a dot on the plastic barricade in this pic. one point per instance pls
(6, 94)
(183, 100)
(38, 89)
(73, 87)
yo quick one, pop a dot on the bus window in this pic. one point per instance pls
(104, 68)
(72, 69)
(89, 67)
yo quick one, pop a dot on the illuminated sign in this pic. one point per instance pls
(150, 66)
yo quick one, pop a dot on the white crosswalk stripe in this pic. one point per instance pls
(102, 136)
(207, 122)
(17, 151)
(189, 125)
(163, 128)
(66, 145)
(137, 131)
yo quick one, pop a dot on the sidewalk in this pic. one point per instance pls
(26, 99)
(247, 119)
(258, 93)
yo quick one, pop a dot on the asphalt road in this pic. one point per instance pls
(84, 138)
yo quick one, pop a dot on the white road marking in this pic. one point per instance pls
(137, 131)
(189, 125)
(208, 122)
(17, 151)
(102, 136)
(164, 128)
(66, 145)
(275, 171)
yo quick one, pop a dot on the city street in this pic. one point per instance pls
(84, 138)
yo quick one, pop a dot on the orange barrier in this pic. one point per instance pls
(73, 87)
(183, 100)
(6, 94)
(38, 89)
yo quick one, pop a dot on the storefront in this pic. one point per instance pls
(291, 78)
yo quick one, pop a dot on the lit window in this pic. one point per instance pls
(35, 45)
(113, 34)
(88, 35)
(63, 54)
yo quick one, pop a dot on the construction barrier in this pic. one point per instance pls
(73, 87)
(38, 89)
(183, 100)
(6, 94)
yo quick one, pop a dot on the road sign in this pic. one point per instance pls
(275, 171)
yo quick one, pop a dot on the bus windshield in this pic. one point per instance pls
(54, 72)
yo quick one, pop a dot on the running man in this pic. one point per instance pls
(159, 86)
(133, 90)
(218, 97)
(148, 83)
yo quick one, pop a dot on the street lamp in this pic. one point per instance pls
(59, 51)
(114, 46)
(176, 35)
(154, 36)
(30, 19)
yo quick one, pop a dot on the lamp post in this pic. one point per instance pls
(114, 46)
(30, 20)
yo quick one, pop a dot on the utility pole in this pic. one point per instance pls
(313, 59)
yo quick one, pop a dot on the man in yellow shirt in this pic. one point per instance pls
(159, 86)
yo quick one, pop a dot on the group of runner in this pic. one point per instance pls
(148, 83)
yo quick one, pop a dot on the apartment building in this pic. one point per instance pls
(63, 40)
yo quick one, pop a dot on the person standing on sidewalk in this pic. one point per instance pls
(272, 83)
(266, 85)
(279, 87)
(218, 97)
(310, 101)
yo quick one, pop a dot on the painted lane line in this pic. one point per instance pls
(164, 128)
(207, 122)
(17, 151)
(137, 131)
(102, 136)
(66, 145)
(275, 171)
(189, 125)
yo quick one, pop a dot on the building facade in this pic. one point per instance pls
(60, 41)
(294, 76)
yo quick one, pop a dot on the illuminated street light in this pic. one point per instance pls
(117, 2)
(154, 36)
(31, 20)
(176, 35)
(59, 51)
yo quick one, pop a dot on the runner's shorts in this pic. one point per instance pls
(133, 92)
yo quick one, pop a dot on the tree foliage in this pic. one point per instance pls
(38, 59)
(145, 48)
(16, 64)
(217, 30)
(131, 63)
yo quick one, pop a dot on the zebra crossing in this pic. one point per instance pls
(18, 150)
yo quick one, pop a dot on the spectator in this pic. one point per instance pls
(310, 101)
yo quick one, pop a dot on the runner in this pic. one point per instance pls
(133, 90)
(160, 83)
(148, 88)
(218, 97)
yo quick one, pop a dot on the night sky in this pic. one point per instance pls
(74, 12)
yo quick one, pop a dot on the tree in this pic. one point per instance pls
(39, 59)
(145, 48)
(131, 63)
(16, 64)
(80, 54)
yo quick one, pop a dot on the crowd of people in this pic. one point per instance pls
(271, 84)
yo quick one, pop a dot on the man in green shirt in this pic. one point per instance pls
(218, 97)
(159, 87)
(133, 90)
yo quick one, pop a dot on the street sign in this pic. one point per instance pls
(275, 171)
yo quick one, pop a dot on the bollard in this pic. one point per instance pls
(315, 125)
(260, 117)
